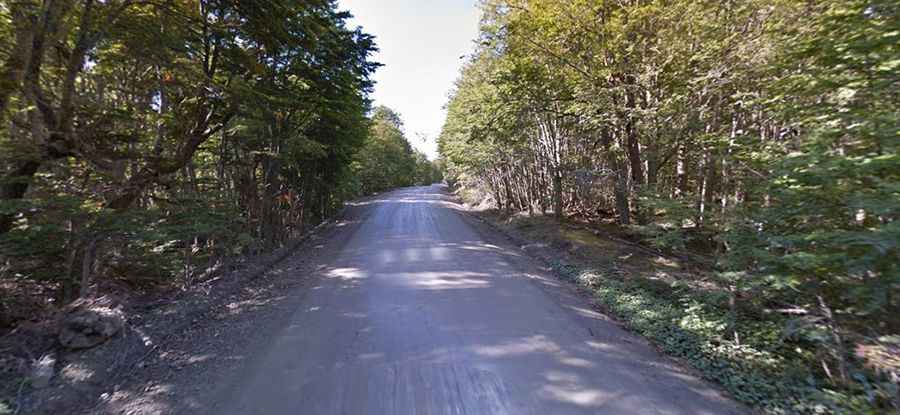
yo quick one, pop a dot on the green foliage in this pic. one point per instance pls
(387, 160)
(830, 228)
(756, 137)
(192, 131)
(828, 238)
(672, 223)
(427, 172)
(761, 371)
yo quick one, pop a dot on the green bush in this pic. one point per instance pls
(764, 370)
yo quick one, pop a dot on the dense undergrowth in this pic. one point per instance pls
(763, 370)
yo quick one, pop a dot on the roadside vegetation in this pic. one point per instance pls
(144, 143)
(750, 145)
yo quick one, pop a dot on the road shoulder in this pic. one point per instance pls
(175, 346)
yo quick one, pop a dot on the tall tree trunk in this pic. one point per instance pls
(620, 189)
(530, 174)
(620, 180)
(653, 162)
(24, 20)
(272, 187)
(557, 194)
(549, 137)
(726, 166)
(14, 184)
(505, 173)
(632, 146)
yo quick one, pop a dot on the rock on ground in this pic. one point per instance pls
(90, 322)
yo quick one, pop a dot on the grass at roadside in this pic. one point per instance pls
(677, 306)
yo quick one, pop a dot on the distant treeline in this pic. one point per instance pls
(387, 160)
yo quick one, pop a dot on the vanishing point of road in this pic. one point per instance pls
(420, 313)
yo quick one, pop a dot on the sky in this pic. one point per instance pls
(421, 43)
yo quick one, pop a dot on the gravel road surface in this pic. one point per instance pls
(420, 313)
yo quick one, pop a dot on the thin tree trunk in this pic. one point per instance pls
(632, 146)
(680, 172)
(71, 257)
(623, 203)
(838, 351)
(620, 181)
(87, 267)
(703, 193)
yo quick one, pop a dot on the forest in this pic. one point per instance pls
(758, 137)
(145, 143)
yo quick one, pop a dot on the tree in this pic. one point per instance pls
(828, 231)
(762, 134)
(148, 140)
(387, 160)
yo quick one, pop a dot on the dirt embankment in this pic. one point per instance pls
(168, 341)
(553, 241)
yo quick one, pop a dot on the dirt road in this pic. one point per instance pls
(419, 314)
